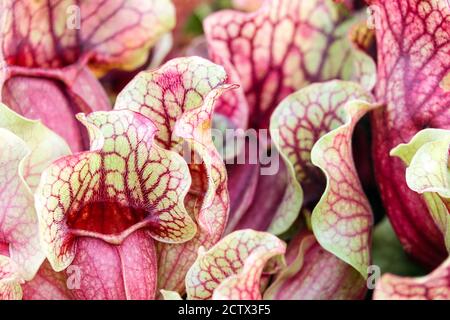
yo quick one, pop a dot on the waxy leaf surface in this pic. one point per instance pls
(110, 34)
(179, 97)
(313, 128)
(92, 205)
(45, 146)
(297, 124)
(55, 99)
(315, 274)
(284, 46)
(23, 155)
(256, 197)
(426, 156)
(47, 45)
(435, 286)
(51, 285)
(413, 44)
(272, 52)
(342, 220)
(10, 288)
(232, 268)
